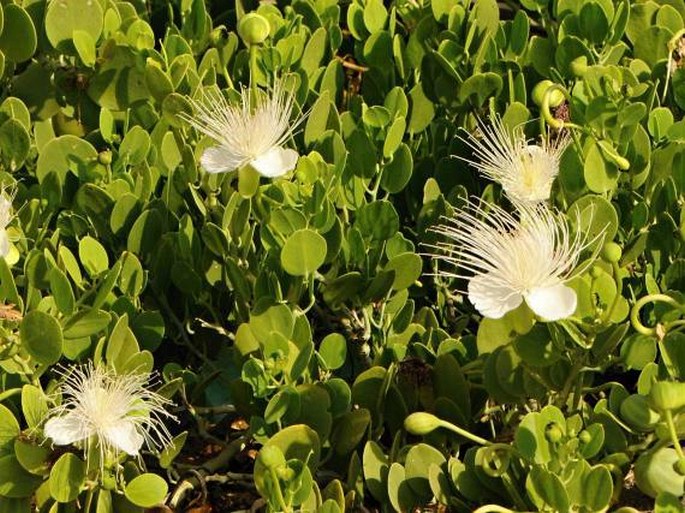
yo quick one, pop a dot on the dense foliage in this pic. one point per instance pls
(300, 335)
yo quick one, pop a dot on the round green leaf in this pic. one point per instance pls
(41, 336)
(146, 490)
(303, 252)
(398, 171)
(407, 267)
(93, 256)
(14, 143)
(9, 428)
(67, 477)
(63, 154)
(64, 17)
(18, 39)
(333, 350)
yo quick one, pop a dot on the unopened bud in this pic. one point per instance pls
(421, 423)
(253, 28)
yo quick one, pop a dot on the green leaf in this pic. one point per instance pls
(41, 336)
(407, 267)
(375, 15)
(377, 220)
(146, 490)
(63, 154)
(15, 482)
(62, 291)
(9, 429)
(422, 110)
(303, 252)
(398, 172)
(67, 477)
(85, 46)
(169, 453)
(93, 256)
(64, 17)
(18, 39)
(333, 350)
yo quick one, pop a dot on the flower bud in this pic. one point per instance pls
(585, 437)
(218, 36)
(553, 433)
(539, 91)
(679, 466)
(611, 252)
(271, 457)
(105, 157)
(253, 28)
(421, 423)
(579, 66)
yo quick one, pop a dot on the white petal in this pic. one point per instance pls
(490, 299)
(125, 437)
(552, 303)
(4, 243)
(66, 430)
(276, 161)
(219, 159)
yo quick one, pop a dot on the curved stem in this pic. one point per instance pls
(463, 433)
(651, 298)
(544, 109)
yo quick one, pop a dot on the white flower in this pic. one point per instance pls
(5, 219)
(114, 411)
(525, 171)
(251, 132)
(509, 260)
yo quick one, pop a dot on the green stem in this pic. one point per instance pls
(253, 69)
(463, 433)
(674, 435)
(651, 298)
(544, 109)
(89, 500)
(279, 492)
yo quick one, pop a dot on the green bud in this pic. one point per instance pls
(667, 395)
(539, 91)
(218, 36)
(105, 157)
(611, 252)
(553, 433)
(579, 66)
(285, 473)
(271, 457)
(584, 436)
(421, 423)
(596, 271)
(253, 28)
(679, 466)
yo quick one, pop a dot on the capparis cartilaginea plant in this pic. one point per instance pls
(317, 356)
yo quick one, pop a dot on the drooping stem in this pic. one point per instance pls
(651, 298)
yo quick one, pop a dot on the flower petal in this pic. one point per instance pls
(219, 159)
(4, 243)
(66, 430)
(125, 436)
(552, 303)
(490, 299)
(276, 161)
